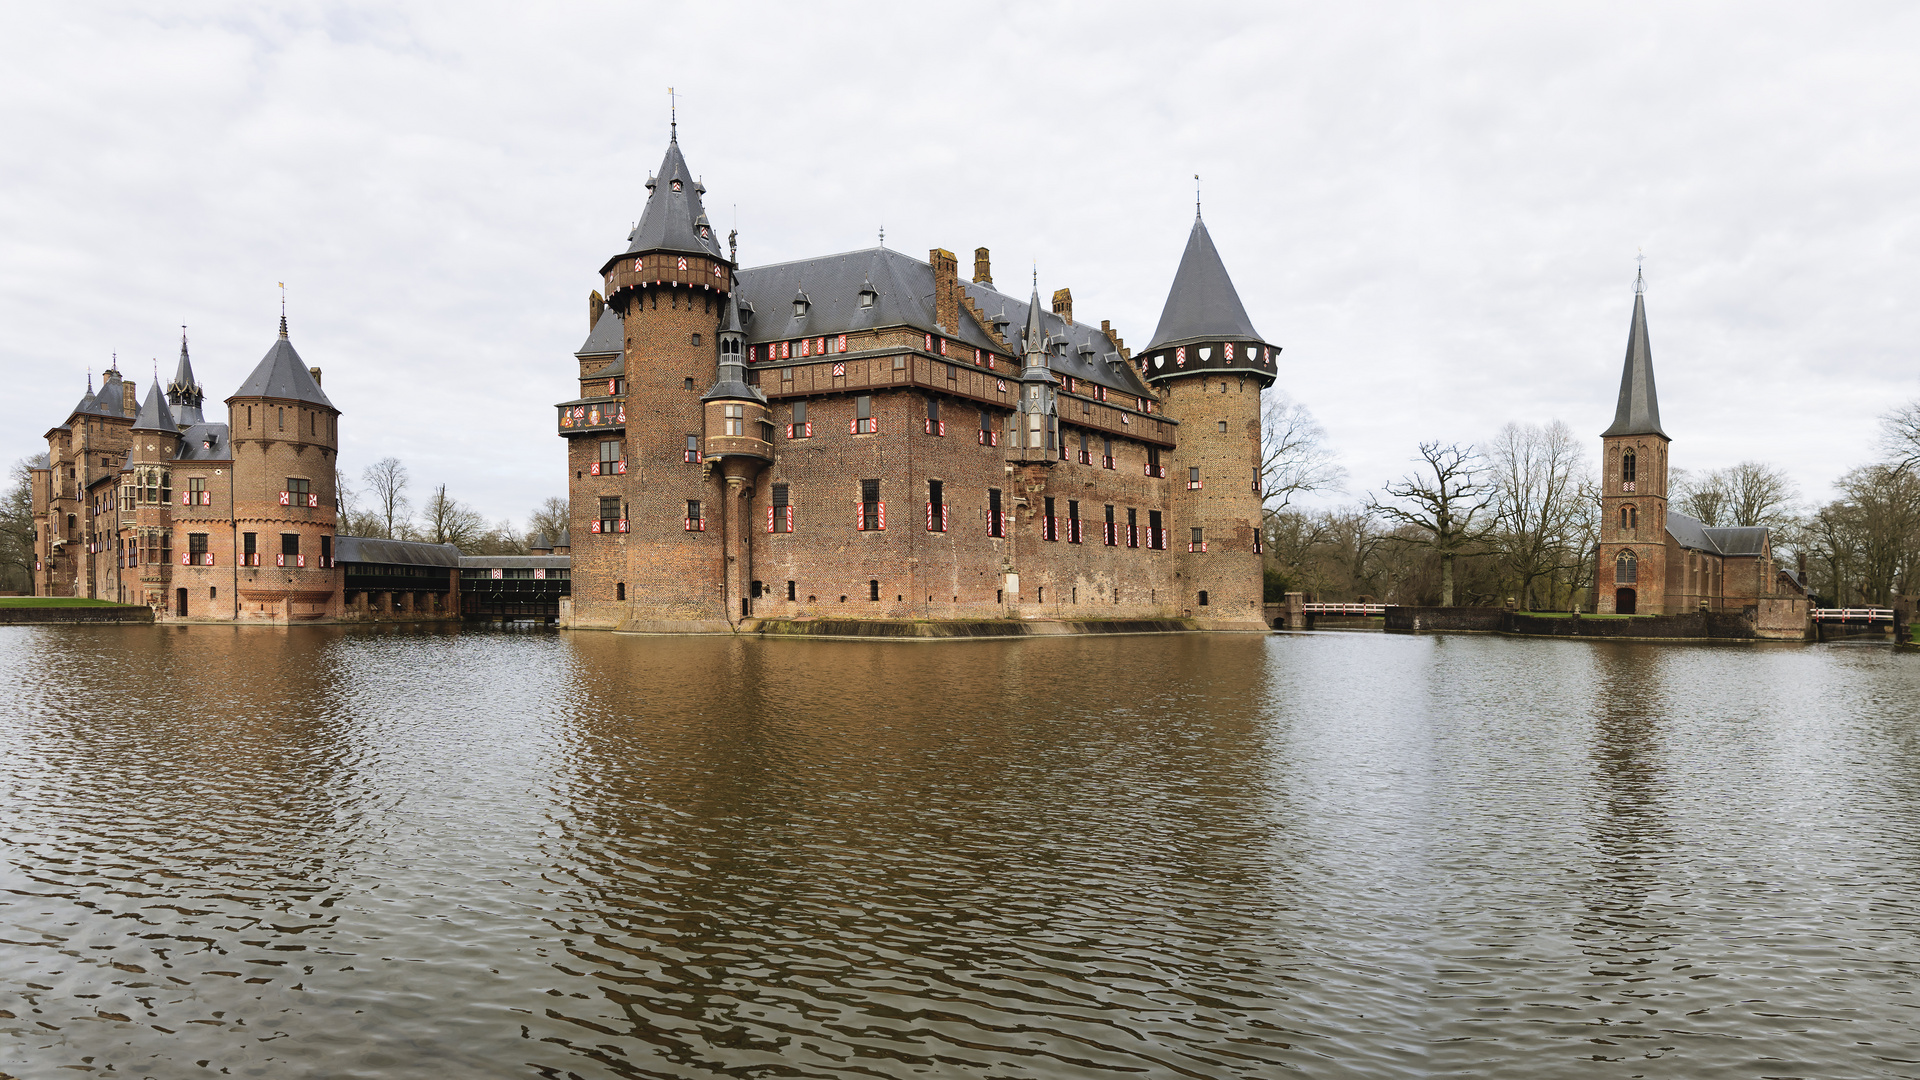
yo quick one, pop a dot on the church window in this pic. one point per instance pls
(1629, 517)
(873, 512)
(1628, 468)
(1626, 569)
(780, 514)
(996, 525)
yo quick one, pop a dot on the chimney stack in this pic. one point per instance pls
(129, 397)
(1063, 304)
(946, 289)
(982, 272)
(315, 372)
(595, 305)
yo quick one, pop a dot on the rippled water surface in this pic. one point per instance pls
(343, 853)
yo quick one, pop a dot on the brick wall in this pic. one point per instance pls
(1226, 507)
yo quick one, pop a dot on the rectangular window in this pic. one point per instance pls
(197, 554)
(290, 551)
(780, 514)
(1086, 457)
(1106, 453)
(609, 515)
(1112, 537)
(693, 449)
(1154, 468)
(735, 419)
(863, 415)
(197, 493)
(1193, 478)
(791, 589)
(300, 493)
(696, 521)
(1046, 522)
(935, 425)
(873, 512)
(326, 551)
(988, 436)
(1133, 527)
(799, 427)
(1156, 539)
(1199, 542)
(249, 549)
(1073, 521)
(996, 525)
(936, 506)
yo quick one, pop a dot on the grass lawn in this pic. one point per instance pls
(54, 601)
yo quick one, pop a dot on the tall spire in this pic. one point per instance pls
(1638, 412)
(283, 311)
(184, 393)
(1202, 304)
(154, 414)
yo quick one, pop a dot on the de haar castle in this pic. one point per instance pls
(869, 435)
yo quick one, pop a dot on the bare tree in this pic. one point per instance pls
(387, 486)
(1759, 494)
(1702, 496)
(1440, 510)
(446, 520)
(1900, 435)
(550, 519)
(1294, 458)
(1537, 472)
(17, 528)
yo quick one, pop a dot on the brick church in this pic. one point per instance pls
(870, 435)
(1654, 560)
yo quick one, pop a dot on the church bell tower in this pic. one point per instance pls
(1631, 573)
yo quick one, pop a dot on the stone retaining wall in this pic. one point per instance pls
(49, 616)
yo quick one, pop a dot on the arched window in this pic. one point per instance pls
(1627, 467)
(1629, 517)
(1626, 569)
(873, 589)
(619, 590)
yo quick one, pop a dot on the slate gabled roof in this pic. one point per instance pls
(154, 414)
(1689, 533)
(673, 220)
(282, 374)
(904, 289)
(366, 549)
(1202, 304)
(194, 436)
(1638, 412)
(609, 335)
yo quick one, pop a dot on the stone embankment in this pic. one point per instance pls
(11, 615)
(1743, 625)
(947, 629)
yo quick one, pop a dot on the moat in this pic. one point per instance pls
(341, 852)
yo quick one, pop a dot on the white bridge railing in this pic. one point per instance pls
(1344, 609)
(1853, 614)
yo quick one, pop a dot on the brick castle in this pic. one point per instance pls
(868, 435)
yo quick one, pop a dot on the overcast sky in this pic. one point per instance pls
(1434, 209)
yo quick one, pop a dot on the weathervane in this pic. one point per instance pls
(1196, 196)
(1640, 272)
(673, 114)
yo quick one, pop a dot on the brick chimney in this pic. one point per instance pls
(595, 305)
(129, 395)
(946, 289)
(1063, 304)
(315, 372)
(982, 272)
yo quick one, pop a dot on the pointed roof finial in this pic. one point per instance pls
(283, 310)
(883, 234)
(1196, 196)
(1640, 273)
(673, 116)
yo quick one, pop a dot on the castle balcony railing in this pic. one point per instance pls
(592, 415)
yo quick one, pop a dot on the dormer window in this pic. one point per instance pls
(676, 185)
(868, 295)
(800, 305)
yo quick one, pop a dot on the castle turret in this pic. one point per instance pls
(184, 393)
(1037, 421)
(1210, 366)
(1632, 571)
(284, 442)
(647, 492)
(156, 442)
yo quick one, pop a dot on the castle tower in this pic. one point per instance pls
(1631, 575)
(184, 393)
(1036, 420)
(653, 549)
(156, 442)
(1210, 365)
(284, 436)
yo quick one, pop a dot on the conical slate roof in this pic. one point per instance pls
(154, 414)
(674, 219)
(184, 392)
(1202, 304)
(1639, 410)
(282, 374)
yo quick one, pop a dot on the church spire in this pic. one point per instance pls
(1638, 412)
